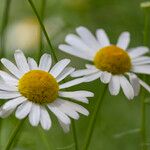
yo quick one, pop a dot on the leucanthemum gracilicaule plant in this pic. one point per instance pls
(116, 65)
(33, 89)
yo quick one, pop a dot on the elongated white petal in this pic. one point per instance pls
(12, 68)
(65, 127)
(32, 64)
(66, 109)
(7, 87)
(59, 67)
(34, 116)
(45, 62)
(146, 86)
(73, 51)
(105, 77)
(123, 40)
(83, 72)
(75, 107)
(114, 85)
(23, 110)
(45, 119)
(76, 94)
(88, 66)
(21, 61)
(88, 37)
(66, 72)
(71, 83)
(135, 83)
(60, 115)
(92, 77)
(102, 38)
(139, 51)
(11, 104)
(144, 60)
(5, 113)
(143, 69)
(126, 87)
(8, 78)
(9, 94)
(78, 43)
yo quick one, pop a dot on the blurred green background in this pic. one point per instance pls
(118, 122)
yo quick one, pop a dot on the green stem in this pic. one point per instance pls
(14, 134)
(93, 119)
(4, 25)
(143, 104)
(42, 12)
(44, 30)
(74, 134)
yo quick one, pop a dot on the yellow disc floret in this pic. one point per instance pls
(112, 59)
(38, 86)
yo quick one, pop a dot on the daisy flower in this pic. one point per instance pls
(33, 90)
(115, 65)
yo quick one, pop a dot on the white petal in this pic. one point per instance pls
(114, 85)
(81, 99)
(45, 119)
(60, 115)
(7, 87)
(5, 113)
(34, 116)
(76, 42)
(102, 38)
(139, 51)
(73, 51)
(11, 104)
(146, 86)
(32, 64)
(8, 94)
(105, 77)
(75, 107)
(8, 78)
(21, 61)
(71, 83)
(88, 66)
(67, 110)
(141, 61)
(92, 77)
(88, 38)
(12, 68)
(23, 110)
(83, 72)
(66, 127)
(126, 87)
(142, 69)
(67, 71)
(123, 40)
(45, 62)
(135, 83)
(76, 94)
(59, 67)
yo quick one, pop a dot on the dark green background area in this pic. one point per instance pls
(118, 117)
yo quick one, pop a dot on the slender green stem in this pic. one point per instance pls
(14, 134)
(143, 104)
(4, 25)
(43, 29)
(42, 12)
(93, 119)
(74, 134)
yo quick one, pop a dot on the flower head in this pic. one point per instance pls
(32, 89)
(113, 64)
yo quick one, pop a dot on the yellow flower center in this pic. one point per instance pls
(112, 59)
(38, 86)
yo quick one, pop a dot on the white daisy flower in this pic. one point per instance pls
(112, 64)
(34, 89)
